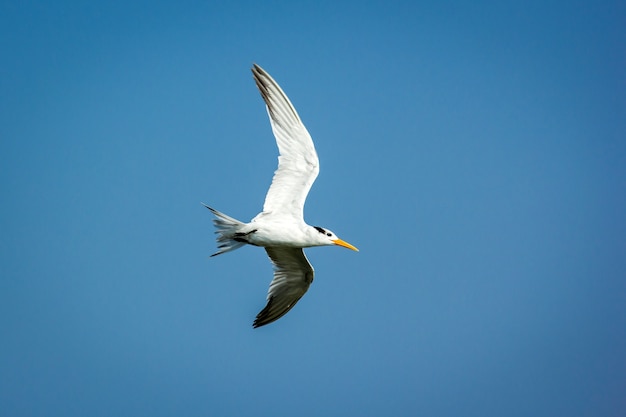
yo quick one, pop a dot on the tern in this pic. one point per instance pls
(280, 228)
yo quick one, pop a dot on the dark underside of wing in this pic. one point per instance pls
(292, 276)
(274, 310)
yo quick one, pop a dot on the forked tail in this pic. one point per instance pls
(227, 230)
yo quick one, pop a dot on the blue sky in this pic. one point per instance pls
(475, 153)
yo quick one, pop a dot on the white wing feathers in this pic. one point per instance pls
(298, 164)
(292, 276)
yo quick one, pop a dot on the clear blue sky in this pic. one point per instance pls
(475, 152)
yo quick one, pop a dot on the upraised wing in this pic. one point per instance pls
(298, 164)
(292, 276)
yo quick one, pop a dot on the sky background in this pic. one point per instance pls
(475, 153)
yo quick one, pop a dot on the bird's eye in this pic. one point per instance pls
(329, 234)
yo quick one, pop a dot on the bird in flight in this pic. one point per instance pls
(280, 227)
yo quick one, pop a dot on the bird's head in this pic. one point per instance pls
(326, 237)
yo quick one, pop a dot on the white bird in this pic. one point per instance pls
(280, 227)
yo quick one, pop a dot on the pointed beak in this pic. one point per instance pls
(340, 242)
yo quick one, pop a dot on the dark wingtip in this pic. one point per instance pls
(257, 68)
(257, 323)
(262, 318)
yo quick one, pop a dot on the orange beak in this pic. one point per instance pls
(340, 242)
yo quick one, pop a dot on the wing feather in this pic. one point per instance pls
(293, 275)
(298, 164)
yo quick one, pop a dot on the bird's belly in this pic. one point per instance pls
(277, 236)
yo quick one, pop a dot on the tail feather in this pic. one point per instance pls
(227, 228)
